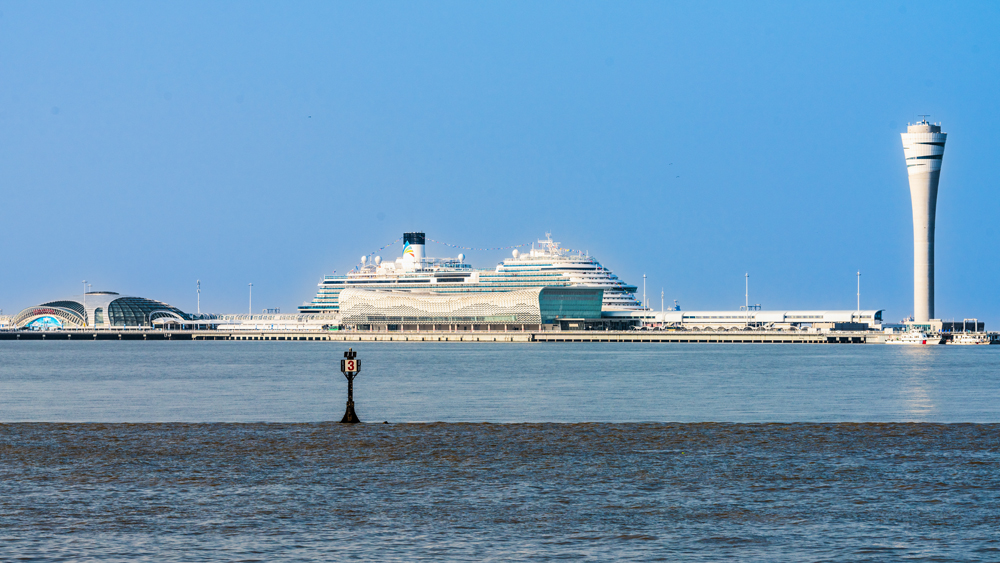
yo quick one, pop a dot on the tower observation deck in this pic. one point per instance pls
(923, 146)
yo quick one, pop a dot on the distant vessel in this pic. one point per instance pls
(970, 339)
(549, 265)
(914, 337)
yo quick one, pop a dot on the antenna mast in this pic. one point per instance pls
(199, 297)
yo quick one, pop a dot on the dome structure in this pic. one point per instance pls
(99, 309)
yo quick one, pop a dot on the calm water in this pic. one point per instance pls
(463, 382)
(294, 488)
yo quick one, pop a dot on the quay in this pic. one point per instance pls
(681, 336)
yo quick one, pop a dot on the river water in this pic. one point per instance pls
(110, 381)
(224, 451)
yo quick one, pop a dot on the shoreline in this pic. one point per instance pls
(687, 337)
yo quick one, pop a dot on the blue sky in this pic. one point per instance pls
(144, 146)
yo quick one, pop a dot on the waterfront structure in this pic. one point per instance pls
(519, 309)
(548, 265)
(923, 147)
(755, 319)
(273, 322)
(99, 309)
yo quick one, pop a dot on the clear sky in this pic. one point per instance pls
(146, 145)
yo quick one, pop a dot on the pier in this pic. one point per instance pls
(685, 336)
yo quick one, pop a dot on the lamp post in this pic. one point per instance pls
(746, 297)
(644, 305)
(859, 291)
(85, 323)
(350, 366)
(250, 310)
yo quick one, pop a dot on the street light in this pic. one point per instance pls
(645, 307)
(859, 291)
(85, 323)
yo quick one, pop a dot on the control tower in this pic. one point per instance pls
(923, 146)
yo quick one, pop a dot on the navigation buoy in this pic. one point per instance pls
(350, 366)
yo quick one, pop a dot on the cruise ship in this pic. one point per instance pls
(545, 265)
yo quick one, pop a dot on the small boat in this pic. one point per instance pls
(915, 338)
(970, 339)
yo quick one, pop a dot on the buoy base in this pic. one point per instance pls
(350, 417)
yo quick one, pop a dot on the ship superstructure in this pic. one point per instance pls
(547, 265)
(581, 270)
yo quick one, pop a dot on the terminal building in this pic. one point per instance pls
(287, 322)
(525, 309)
(758, 319)
(536, 308)
(563, 308)
(101, 309)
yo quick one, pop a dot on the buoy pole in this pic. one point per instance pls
(350, 366)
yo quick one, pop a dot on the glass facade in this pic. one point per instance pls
(366, 307)
(62, 312)
(44, 323)
(328, 297)
(108, 310)
(137, 311)
(572, 303)
(71, 305)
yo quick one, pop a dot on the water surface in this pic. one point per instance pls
(217, 451)
(499, 492)
(108, 381)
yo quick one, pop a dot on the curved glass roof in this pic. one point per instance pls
(139, 311)
(108, 309)
(72, 305)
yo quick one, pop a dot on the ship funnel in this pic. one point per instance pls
(413, 246)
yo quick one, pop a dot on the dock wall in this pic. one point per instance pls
(704, 337)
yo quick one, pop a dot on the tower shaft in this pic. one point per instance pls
(923, 146)
(923, 195)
